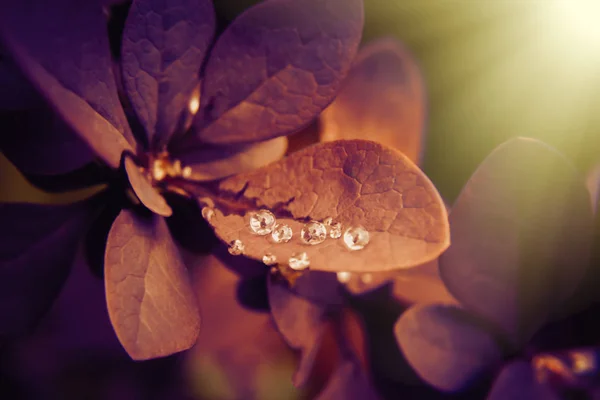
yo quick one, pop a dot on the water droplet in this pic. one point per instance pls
(282, 233)
(299, 261)
(313, 233)
(344, 277)
(262, 222)
(335, 230)
(356, 238)
(328, 221)
(366, 278)
(207, 213)
(269, 259)
(236, 248)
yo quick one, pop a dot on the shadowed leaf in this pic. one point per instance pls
(446, 346)
(144, 190)
(418, 285)
(276, 67)
(517, 382)
(355, 182)
(38, 142)
(35, 258)
(67, 58)
(150, 301)
(211, 162)
(241, 342)
(320, 287)
(164, 44)
(16, 93)
(521, 231)
(349, 382)
(300, 321)
(382, 99)
(593, 184)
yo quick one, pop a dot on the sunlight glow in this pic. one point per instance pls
(577, 20)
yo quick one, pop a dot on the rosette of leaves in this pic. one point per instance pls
(186, 110)
(520, 250)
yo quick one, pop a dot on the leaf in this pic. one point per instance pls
(67, 58)
(276, 67)
(36, 253)
(349, 383)
(593, 184)
(418, 285)
(148, 291)
(521, 231)
(38, 142)
(144, 190)
(301, 322)
(446, 346)
(16, 92)
(212, 162)
(517, 382)
(164, 44)
(382, 99)
(355, 182)
(240, 342)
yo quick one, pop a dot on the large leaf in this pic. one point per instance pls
(382, 99)
(521, 231)
(38, 142)
(164, 44)
(146, 193)
(214, 162)
(67, 58)
(150, 301)
(276, 67)
(355, 182)
(517, 381)
(349, 382)
(36, 253)
(16, 93)
(446, 346)
(237, 343)
(302, 324)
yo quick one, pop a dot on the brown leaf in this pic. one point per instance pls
(357, 183)
(150, 301)
(143, 189)
(382, 99)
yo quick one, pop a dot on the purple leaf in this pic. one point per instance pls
(521, 231)
(67, 58)
(319, 287)
(241, 343)
(446, 346)
(16, 93)
(357, 183)
(382, 99)
(38, 142)
(146, 193)
(36, 254)
(164, 44)
(517, 382)
(148, 291)
(214, 162)
(349, 382)
(300, 321)
(276, 67)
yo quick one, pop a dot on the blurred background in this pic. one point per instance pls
(493, 70)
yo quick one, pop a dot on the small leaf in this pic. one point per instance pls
(382, 99)
(38, 142)
(418, 285)
(446, 346)
(300, 322)
(164, 44)
(521, 231)
(67, 58)
(36, 254)
(237, 340)
(276, 67)
(144, 190)
(150, 301)
(212, 162)
(349, 382)
(356, 183)
(517, 382)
